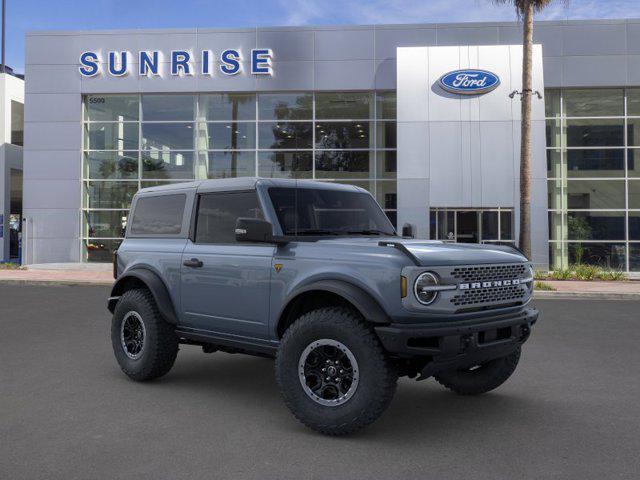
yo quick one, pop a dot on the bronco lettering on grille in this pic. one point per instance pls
(490, 284)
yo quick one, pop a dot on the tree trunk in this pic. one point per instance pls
(525, 147)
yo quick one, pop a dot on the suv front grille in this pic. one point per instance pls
(488, 295)
(488, 273)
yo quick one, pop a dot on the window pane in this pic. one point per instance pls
(111, 108)
(109, 194)
(634, 257)
(218, 213)
(167, 136)
(285, 164)
(634, 225)
(595, 163)
(554, 164)
(227, 136)
(159, 183)
(392, 215)
(596, 225)
(556, 232)
(446, 225)
(111, 136)
(105, 224)
(168, 107)
(109, 165)
(228, 164)
(161, 164)
(386, 136)
(633, 162)
(595, 133)
(387, 164)
(490, 225)
(606, 255)
(159, 215)
(100, 250)
(506, 225)
(633, 132)
(593, 103)
(555, 199)
(285, 106)
(386, 106)
(552, 103)
(17, 123)
(595, 194)
(344, 164)
(227, 106)
(387, 194)
(558, 255)
(343, 135)
(349, 105)
(289, 135)
(554, 133)
(633, 101)
(634, 194)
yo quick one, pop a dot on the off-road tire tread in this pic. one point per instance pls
(160, 355)
(343, 318)
(501, 370)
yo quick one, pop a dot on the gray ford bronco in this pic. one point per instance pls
(314, 275)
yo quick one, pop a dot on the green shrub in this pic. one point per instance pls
(612, 275)
(9, 266)
(561, 274)
(540, 275)
(544, 286)
(587, 272)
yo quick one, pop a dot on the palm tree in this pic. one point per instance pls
(525, 10)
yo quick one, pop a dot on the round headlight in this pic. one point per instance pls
(423, 288)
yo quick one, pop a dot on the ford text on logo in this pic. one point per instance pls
(494, 283)
(469, 82)
(178, 62)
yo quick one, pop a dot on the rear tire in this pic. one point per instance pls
(338, 340)
(144, 344)
(480, 379)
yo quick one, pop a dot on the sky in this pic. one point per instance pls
(26, 15)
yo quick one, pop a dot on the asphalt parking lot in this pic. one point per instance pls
(572, 409)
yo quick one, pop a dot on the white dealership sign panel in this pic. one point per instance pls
(459, 142)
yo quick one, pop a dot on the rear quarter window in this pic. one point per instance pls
(158, 215)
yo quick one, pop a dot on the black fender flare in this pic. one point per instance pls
(368, 307)
(155, 285)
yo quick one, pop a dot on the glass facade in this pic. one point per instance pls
(593, 184)
(137, 141)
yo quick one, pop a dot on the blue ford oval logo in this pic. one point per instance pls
(469, 82)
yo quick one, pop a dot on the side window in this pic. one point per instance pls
(218, 212)
(159, 215)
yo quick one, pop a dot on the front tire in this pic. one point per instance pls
(482, 378)
(144, 345)
(333, 374)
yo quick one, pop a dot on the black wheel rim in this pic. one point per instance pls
(328, 372)
(132, 335)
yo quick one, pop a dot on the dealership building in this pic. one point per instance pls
(109, 112)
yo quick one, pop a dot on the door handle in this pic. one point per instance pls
(193, 263)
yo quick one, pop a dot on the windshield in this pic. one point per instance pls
(309, 211)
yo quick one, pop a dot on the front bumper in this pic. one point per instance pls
(453, 345)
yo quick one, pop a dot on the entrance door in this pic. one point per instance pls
(467, 224)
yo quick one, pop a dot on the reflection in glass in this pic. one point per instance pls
(554, 164)
(105, 224)
(634, 194)
(555, 200)
(289, 135)
(167, 136)
(227, 106)
(111, 108)
(552, 102)
(109, 194)
(611, 256)
(110, 165)
(506, 225)
(347, 105)
(595, 194)
(554, 133)
(96, 250)
(634, 257)
(634, 225)
(285, 164)
(633, 132)
(344, 164)
(168, 107)
(386, 136)
(633, 102)
(387, 164)
(386, 105)
(600, 102)
(595, 163)
(489, 225)
(227, 136)
(333, 135)
(595, 133)
(227, 164)
(285, 106)
(557, 230)
(111, 136)
(596, 226)
(387, 194)
(167, 164)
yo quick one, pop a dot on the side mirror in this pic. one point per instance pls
(407, 230)
(253, 230)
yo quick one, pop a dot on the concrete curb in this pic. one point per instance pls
(546, 295)
(54, 283)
